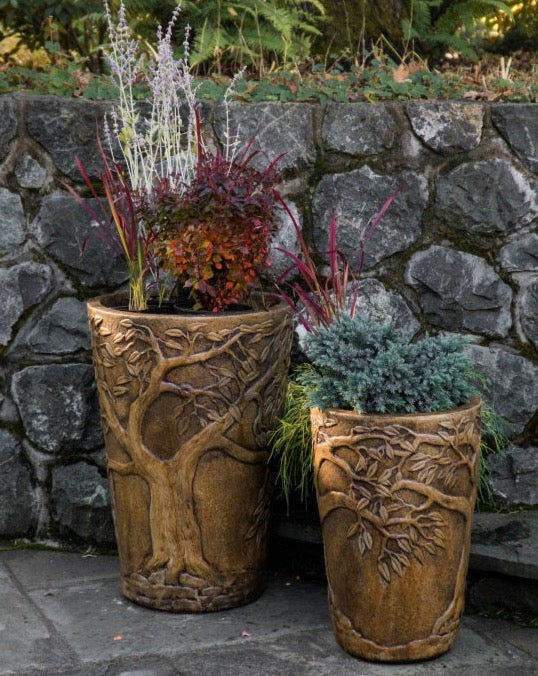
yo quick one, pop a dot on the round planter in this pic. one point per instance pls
(186, 402)
(396, 496)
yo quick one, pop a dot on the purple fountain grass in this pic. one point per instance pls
(119, 227)
(324, 297)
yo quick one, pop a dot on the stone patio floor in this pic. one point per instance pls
(62, 613)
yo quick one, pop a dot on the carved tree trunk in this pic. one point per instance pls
(186, 403)
(396, 496)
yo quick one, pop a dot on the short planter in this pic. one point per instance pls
(396, 495)
(186, 402)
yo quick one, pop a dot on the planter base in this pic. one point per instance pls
(193, 595)
(353, 643)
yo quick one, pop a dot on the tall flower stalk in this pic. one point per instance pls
(157, 145)
(163, 143)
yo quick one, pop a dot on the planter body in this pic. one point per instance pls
(396, 496)
(186, 402)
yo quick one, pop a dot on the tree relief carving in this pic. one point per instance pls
(398, 482)
(213, 390)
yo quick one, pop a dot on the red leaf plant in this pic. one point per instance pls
(214, 239)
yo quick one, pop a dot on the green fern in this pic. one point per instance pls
(231, 34)
(437, 24)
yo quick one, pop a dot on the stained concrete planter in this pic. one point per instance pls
(396, 496)
(186, 403)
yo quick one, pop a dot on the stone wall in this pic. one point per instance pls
(457, 251)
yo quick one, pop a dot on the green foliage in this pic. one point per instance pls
(74, 26)
(371, 367)
(518, 32)
(376, 82)
(493, 441)
(440, 25)
(228, 35)
(291, 441)
(59, 80)
(372, 83)
(232, 34)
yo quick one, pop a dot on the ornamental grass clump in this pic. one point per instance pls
(317, 297)
(120, 228)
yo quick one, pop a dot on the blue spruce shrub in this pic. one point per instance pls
(371, 367)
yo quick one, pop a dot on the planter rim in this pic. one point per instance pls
(111, 302)
(347, 413)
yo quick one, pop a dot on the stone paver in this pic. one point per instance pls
(62, 613)
(506, 543)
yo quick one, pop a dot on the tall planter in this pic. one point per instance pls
(396, 496)
(186, 402)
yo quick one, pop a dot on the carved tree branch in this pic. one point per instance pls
(451, 502)
(332, 500)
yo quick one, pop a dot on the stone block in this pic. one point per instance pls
(21, 287)
(81, 503)
(518, 123)
(12, 231)
(505, 543)
(521, 255)
(511, 593)
(512, 384)
(354, 198)
(358, 128)
(8, 124)
(275, 128)
(30, 173)
(460, 292)
(489, 197)
(61, 330)
(285, 238)
(384, 305)
(528, 312)
(58, 406)
(8, 410)
(67, 128)
(63, 227)
(513, 476)
(446, 126)
(17, 500)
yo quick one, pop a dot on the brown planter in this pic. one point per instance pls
(186, 402)
(396, 496)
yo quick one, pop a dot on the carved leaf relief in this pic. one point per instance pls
(400, 482)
